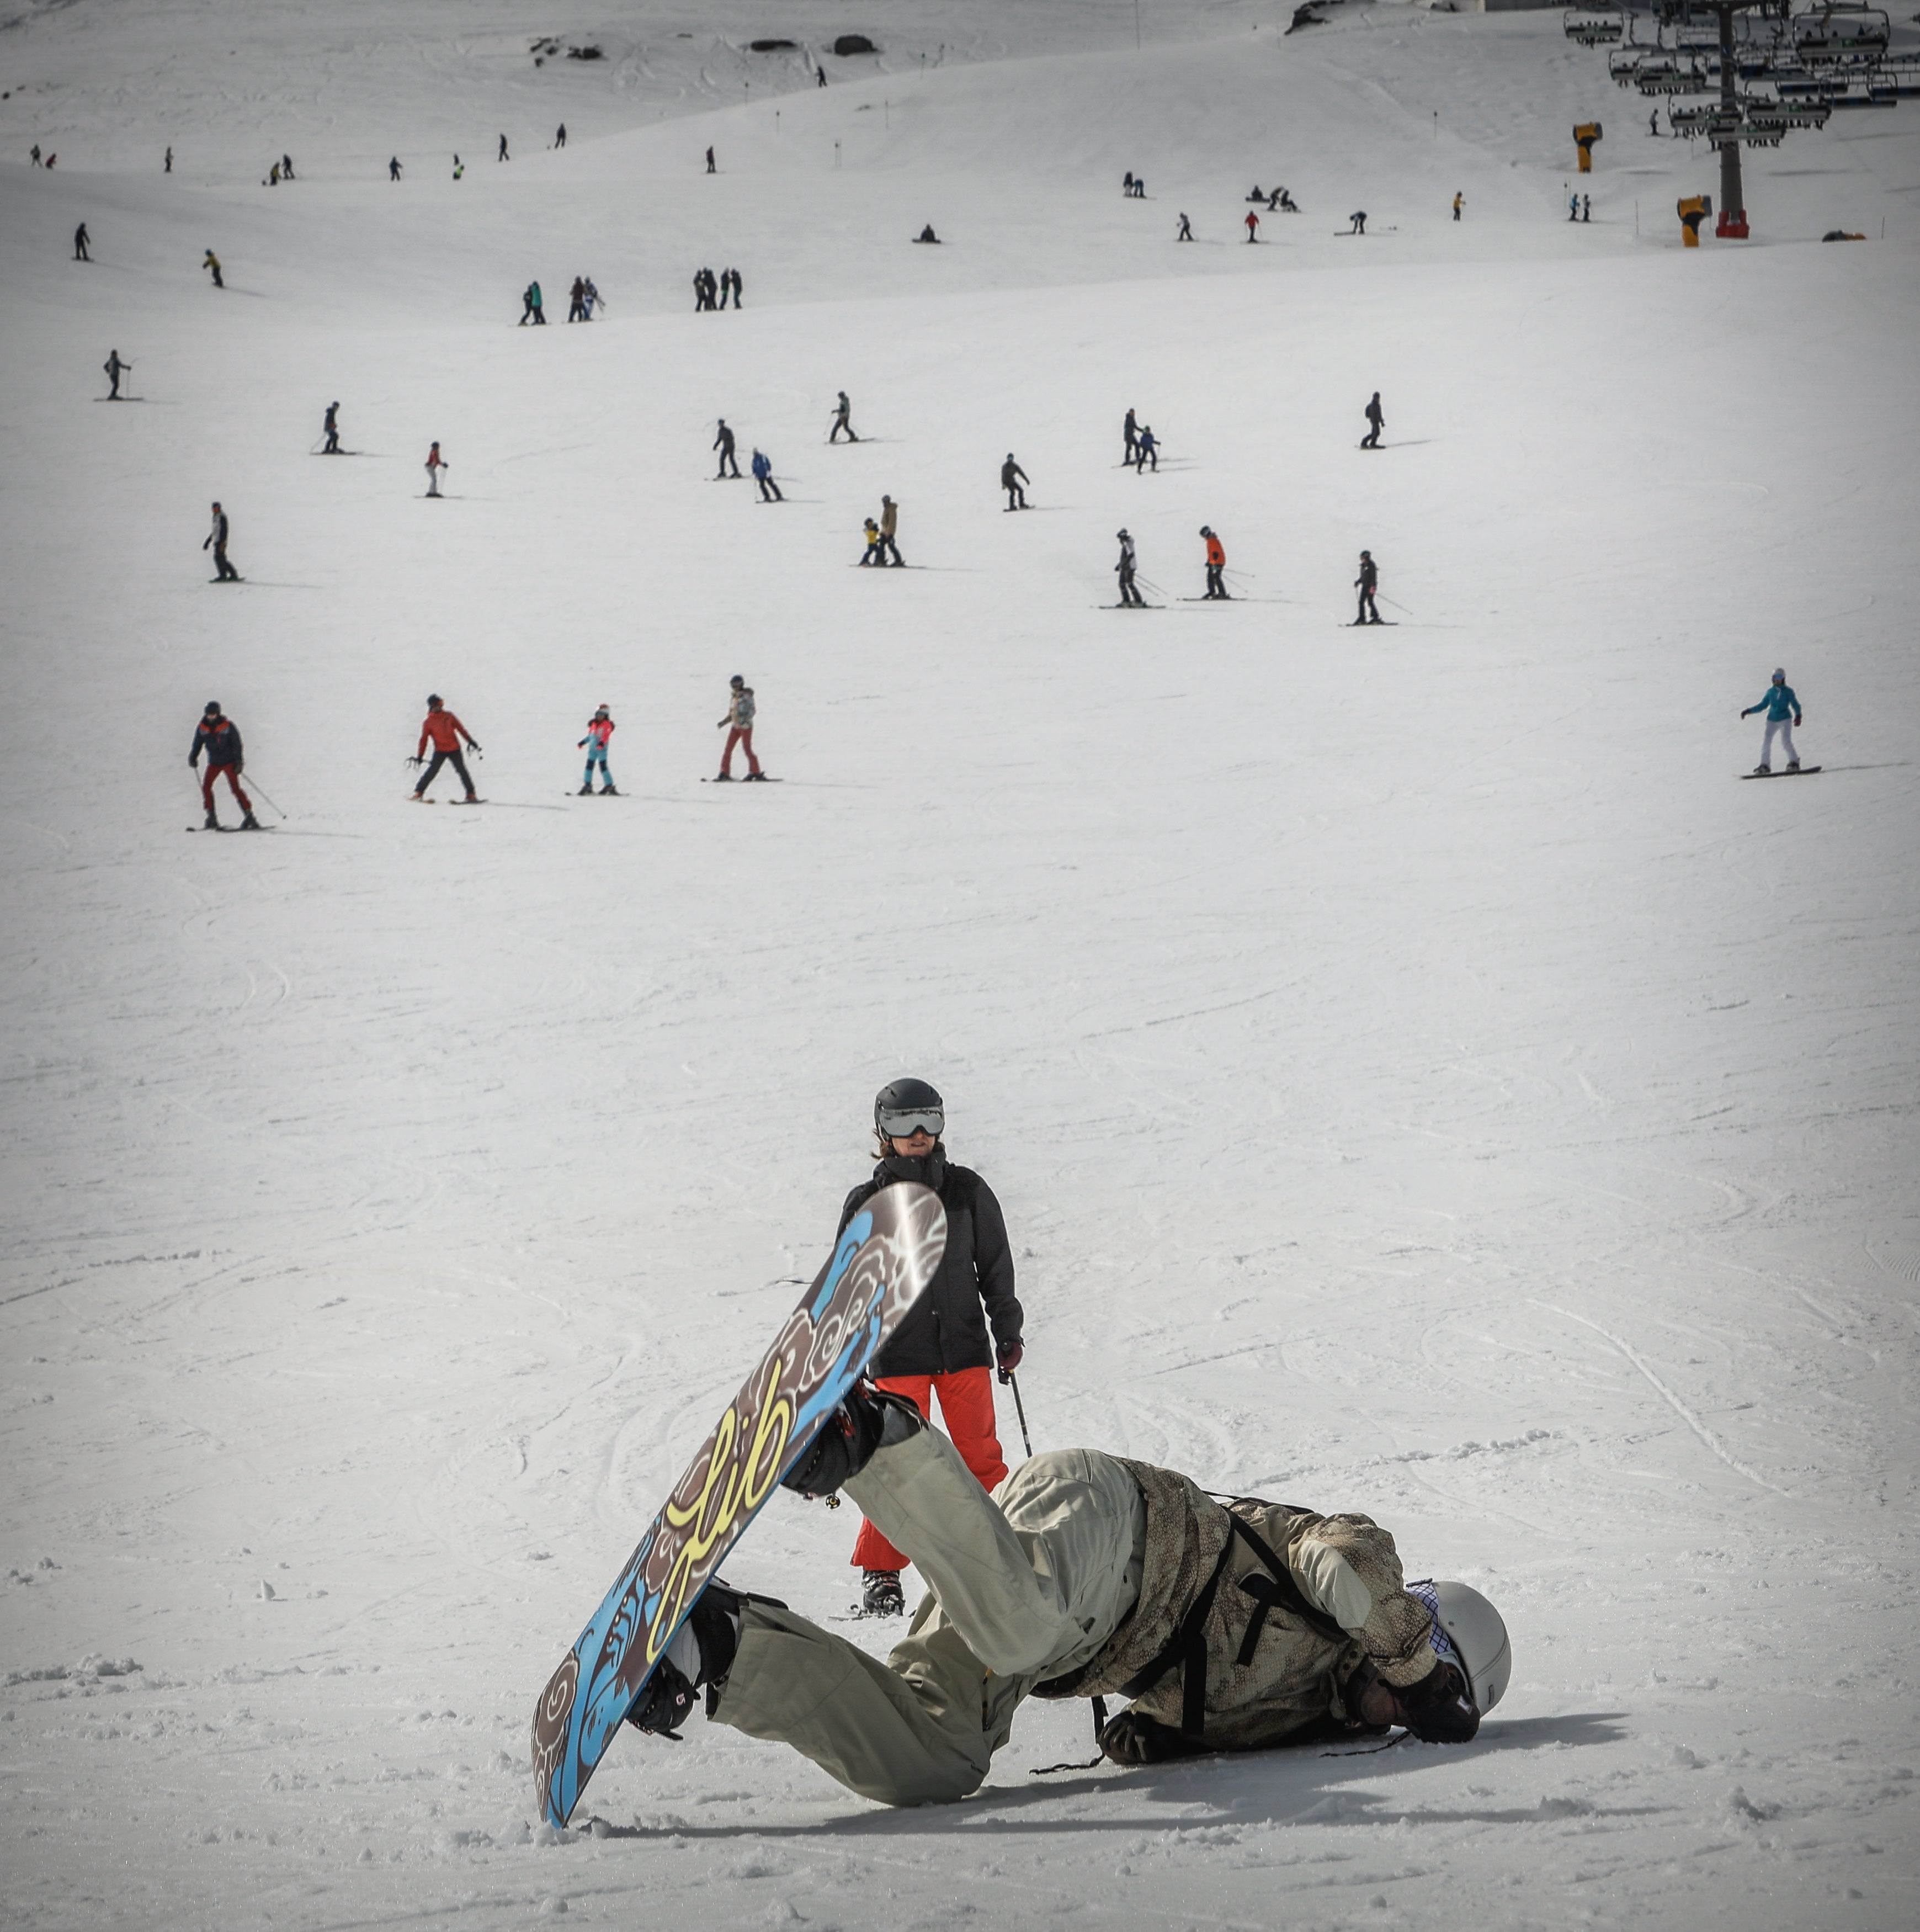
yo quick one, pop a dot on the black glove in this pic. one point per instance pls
(1134, 1739)
(1010, 1357)
(1439, 1709)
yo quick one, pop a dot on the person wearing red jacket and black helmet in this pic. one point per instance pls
(943, 1345)
(446, 731)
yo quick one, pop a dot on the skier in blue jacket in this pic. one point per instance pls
(1780, 705)
(763, 474)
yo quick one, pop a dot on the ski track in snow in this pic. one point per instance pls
(1397, 1055)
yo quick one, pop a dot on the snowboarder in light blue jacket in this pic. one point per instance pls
(1780, 705)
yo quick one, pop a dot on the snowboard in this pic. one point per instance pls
(877, 1270)
(1804, 771)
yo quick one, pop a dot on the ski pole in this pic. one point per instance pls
(1020, 1408)
(262, 790)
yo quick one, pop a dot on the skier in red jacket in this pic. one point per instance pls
(446, 731)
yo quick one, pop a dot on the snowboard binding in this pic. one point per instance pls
(870, 1419)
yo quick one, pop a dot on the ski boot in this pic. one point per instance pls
(608, 791)
(250, 824)
(701, 1653)
(756, 778)
(1763, 771)
(870, 1419)
(725, 778)
(883, 1596)
(1793, 765)
(586, 791)
(211, 824)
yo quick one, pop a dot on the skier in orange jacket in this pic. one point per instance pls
(446, 731)
(1216, 561)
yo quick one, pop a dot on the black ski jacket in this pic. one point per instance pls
(220, 741)
(947, 1330)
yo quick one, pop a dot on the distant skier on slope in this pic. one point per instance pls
(1130, 430)
(211, 263)
(1252, 225)
(1781, 706)
(80, 241)
(1358, 218)
(763, 474)
(332, 426)
(560, 135)
(723, 443)
(445, 732)
(1216, 562)
(1232, 1627)
(1377, 421)
(1129, 590)
(889, 525)
(1367, 583)
(1012, 476)
(1147, 451)
(710, 168)
(219, 737)
(733, 278)
(1186, 233)
(531, 306)
(393, 169)
(600, 728)
(1460, 201)
(502, 155)
(739, 726)
(216, 539)
(842, 420)
(435, 463)
(577, 300)
(942, 1346)
(872, 530)
(114, 368)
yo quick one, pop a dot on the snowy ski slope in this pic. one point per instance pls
(1420, 1079)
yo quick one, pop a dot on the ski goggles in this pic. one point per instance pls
(903, 1126)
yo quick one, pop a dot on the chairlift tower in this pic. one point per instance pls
(1731, 224)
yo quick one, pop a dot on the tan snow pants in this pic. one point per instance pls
(1022, 1585)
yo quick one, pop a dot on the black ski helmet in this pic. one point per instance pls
(736, 679)
(213, 710)
(434, 697)
(903, 1105)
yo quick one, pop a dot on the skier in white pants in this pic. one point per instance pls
(1779, 704)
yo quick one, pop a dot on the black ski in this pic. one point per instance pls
(1792, 772)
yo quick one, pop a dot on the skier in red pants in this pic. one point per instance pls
(739, 726)
(943, 1345)
(219, 737)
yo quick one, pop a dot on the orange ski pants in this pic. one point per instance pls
(967, 1407)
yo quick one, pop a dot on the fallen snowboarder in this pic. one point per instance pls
(1233, 1628)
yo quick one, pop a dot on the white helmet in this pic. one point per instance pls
(1478, 1634)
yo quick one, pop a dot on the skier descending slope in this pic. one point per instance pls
(446, 731)
(435, 463)
(1012, 479)
(1376, 421)
(1367, 583)
(941, 1346)
(739, 726)
(1216, 562)
(216, 541)
(219, 737)
(1781, 706)
(1129, 562)
(1086, 1575)
(762, 468)
(600, 728)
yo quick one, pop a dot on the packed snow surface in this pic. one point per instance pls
(1419, 1078)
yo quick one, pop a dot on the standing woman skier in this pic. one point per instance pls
(942, 1345)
